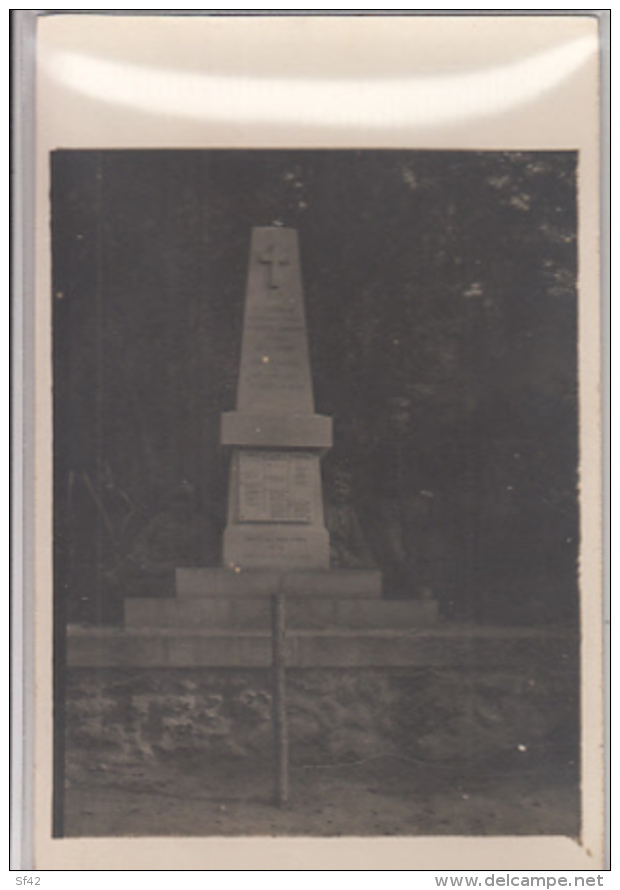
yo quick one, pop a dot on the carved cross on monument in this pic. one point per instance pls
(274, 256)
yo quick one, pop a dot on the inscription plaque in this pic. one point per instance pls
(275, 487)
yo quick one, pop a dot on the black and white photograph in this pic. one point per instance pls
(310, 480)
(315, 493)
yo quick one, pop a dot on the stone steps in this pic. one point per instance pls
(218, 582)
(247, 613)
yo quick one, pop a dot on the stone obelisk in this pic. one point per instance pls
(275, 505)
(275, 541)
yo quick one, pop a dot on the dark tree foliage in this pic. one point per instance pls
(444, 278)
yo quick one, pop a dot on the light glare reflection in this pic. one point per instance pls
(421, 101)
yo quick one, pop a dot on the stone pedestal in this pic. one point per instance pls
(275, 511)
(317, 583)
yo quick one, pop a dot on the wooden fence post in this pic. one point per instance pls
(280, 724)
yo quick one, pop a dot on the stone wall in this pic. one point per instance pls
(135, 715)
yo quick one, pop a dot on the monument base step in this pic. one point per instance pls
(463, 647)
(317, 583)
(237, 613)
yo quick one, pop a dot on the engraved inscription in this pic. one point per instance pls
(271, 546)
(276, 360)
(275, 487)
(275, 308)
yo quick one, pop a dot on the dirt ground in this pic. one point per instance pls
(379, 797)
